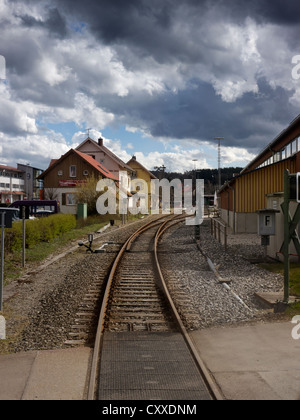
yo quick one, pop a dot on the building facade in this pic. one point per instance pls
(32, 185)
(105, 157)
(248, 192)
(12, 184)
(144, 188)
(65, 175)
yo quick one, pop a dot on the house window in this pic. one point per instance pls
(68, 199)
(277, 157)
(294, 146)
(73, 171)
(86, 173)
(60, 173)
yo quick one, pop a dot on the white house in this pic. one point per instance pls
(12, 184)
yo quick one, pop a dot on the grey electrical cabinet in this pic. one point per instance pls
(267, 222)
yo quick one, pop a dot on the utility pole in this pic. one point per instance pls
(219, 159)
(290, 226)
(286, 244)
(194, 177)
(2, 221)
(161, 170)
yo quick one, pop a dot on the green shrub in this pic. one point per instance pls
(13, 237)
(33, 233)
(45, 229)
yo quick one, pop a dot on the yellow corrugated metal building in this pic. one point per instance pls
(245, 194)
(252, 188)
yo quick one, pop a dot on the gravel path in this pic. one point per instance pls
(201, 300)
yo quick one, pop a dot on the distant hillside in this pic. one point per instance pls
(210, 176)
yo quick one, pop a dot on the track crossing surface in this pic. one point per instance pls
(149, 366)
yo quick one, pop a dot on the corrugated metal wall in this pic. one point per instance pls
(251, 188)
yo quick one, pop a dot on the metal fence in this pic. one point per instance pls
(219, 231)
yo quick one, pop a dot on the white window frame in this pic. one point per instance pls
(73, 171)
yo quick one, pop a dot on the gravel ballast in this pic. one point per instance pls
(201, 299)
(40, 314)
(44, 304)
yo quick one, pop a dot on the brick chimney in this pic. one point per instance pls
(100, 141)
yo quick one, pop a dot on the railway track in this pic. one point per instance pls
(142, 350)
(136, 302)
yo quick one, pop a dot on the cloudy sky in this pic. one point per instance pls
(155, 78)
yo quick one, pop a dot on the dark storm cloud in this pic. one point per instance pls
(275, 11)
(54, 22)
(143, 22)
(215, 76)
(148, 27)
(197, 112)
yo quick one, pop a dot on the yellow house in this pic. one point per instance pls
(141, 173)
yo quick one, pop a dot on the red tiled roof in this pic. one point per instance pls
(52, 162)
(100, 168)
(9, 168)
(107, 152)
(91, 161)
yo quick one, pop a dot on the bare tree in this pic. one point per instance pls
(86, 193)
(51, 194)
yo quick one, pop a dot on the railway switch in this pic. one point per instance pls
(89, 246)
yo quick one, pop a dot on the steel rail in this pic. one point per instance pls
(143, 229)
(100, 327)
(211, 385)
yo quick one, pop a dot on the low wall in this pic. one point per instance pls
(248, 223)
(243, 222)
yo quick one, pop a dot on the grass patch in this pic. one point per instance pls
(45, 247)
(294, 275)
(278, 268)
(37, 253)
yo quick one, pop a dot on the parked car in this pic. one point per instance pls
(38, 208)
(43, 213)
